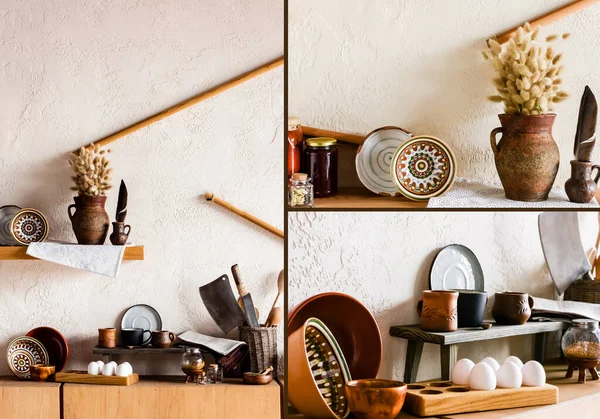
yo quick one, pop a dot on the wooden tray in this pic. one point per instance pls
(444, 398)
(82, 377)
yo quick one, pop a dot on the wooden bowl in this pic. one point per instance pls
(316, 388)
(375, 398)
(257, 379)
(42, 372)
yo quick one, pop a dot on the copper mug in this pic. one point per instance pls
(438, 311)
(107, 338)
(162, 339)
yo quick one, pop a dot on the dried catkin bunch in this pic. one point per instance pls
(92, 174)
(528, 72)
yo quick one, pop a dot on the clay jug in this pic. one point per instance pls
(119, 236)
(526, 156)
(512, 308)
(90, 220)
(438, 311)
(581, 187)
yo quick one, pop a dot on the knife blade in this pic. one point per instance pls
(245, 296)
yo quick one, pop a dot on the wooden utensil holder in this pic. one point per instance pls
(262, 348)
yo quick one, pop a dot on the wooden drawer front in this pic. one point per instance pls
(28, 400)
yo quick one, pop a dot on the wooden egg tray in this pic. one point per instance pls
(82, 377)
(444, 398)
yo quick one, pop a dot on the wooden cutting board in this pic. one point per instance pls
(82, 377)
(444, 398)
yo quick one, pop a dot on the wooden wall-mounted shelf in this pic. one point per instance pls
(20, 253)
(359, 198)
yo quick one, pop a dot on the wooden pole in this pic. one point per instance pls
(191, 102)
(340, 136)
(244, 214)
(548, 18)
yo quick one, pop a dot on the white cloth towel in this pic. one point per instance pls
(466, 193)
(100, 259)
(219, 345)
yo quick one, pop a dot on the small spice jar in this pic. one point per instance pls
(321, 164)
(294, 145)
(582, 341)
(300, 193)
(192, 364)
(214, 375)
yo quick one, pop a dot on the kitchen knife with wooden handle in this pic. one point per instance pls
(245, 296)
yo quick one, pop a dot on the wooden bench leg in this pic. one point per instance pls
(541, 341)
(413, 358)
(448, 357)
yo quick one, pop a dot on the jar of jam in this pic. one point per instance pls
(294, 145)
(321, 165)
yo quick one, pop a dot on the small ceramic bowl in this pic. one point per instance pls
(42, 372)
(257, 379)
(375, 398)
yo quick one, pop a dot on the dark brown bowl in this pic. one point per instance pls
(382, 399)
(42, 372)
(257, 379)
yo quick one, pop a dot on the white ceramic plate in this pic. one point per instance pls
(7, 213)
(141, 316)
(374, 158)
(456, 268)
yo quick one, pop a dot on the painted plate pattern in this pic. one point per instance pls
(374, 158)
(423, 167)
(23, 352)
(28, 226)
(7, 212)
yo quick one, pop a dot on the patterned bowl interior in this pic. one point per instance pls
(23, 352)
(328, 366)
(28, 226)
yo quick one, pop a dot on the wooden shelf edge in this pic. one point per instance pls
(20, 253)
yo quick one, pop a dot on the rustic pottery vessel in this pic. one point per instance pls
(581, 187)
(512, 308)
(382, 399)
(438, 311)
(107, 338)
(42, 372)
(90, 220)
(162, 339)
(526, 156)
(119, 236)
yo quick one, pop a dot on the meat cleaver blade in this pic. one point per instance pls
(221, 304)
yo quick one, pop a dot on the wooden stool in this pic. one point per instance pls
(582, 366)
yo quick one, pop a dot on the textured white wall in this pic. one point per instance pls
(358, 65)
(383, 260)
(72, 72)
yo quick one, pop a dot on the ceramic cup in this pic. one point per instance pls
(42, 372)
(512, 308)
(135, 337)
(471, 307)
(438, 311)
(162, 339)
(107, 338)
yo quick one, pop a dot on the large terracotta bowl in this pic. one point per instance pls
(376, 399)
(317, 372)
(351, 323)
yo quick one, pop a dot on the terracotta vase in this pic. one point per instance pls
(512, 308)
(438, 311)
(119, 236)
(526, 156)
(90, 220)
(581, 187)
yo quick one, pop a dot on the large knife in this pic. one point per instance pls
(245, 296)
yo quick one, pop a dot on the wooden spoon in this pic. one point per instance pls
(275, 317)
(280, 286)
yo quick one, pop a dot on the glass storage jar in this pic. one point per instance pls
(300, 193)
(192, 364)
(582, 341)
(214, 374)
(294, 145)
(321, 164)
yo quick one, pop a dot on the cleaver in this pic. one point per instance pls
(221, 304)
(563, 250)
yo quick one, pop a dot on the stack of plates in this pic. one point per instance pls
(42, 345)
(21, 226)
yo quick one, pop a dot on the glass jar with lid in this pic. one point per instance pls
(294, 145)
(581, 343)
(214, 374)
(300, 193)
(321, 164)
(192, 364)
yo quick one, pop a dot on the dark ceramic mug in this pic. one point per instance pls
(162, 338)
(471, 307)
(437, 310)
(512, 308)
(135, 337)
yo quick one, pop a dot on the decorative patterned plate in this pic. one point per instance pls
(423, 167)
(28, 226)
(374, 158)
(7, 212)
(456, 268)
(55, 344)
(141, 316)
(23, 352)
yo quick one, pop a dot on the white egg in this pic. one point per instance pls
(114, 363)
(515, 360)
(491, 362)
(109, 369)
(482, 377)
(533, 374)
(124, 370)
(93, 368)
(509, 375)
(100, 364)
(461, 371)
